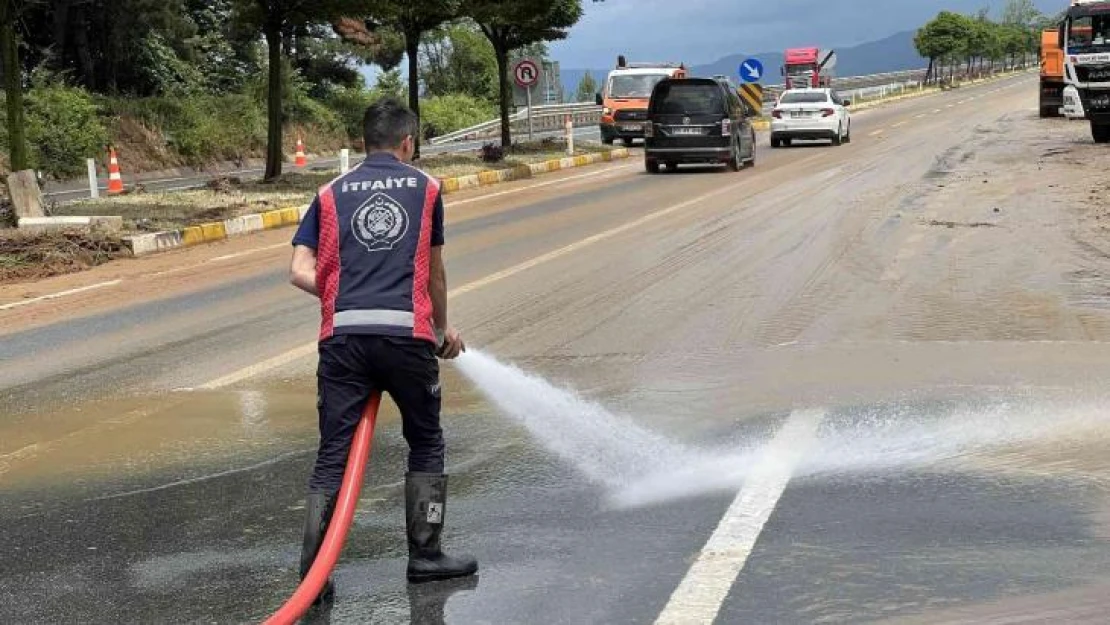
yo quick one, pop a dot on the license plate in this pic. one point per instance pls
(799, 114)
(684, 130)
(632, 127)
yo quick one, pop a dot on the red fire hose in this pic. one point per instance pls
(336, 535)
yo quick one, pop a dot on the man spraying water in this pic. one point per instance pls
(370, 247)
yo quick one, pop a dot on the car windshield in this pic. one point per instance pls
(1090, 32)
(636, 86)
(688, 99)
(804, 97)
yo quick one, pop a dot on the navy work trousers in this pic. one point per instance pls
(353, 367)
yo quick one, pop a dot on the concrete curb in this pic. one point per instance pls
(85, 223)
(154, 242)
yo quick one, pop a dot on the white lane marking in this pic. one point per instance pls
(699, 597)
(935, 111)
(203, 478)
(877, 132)
(899, 124)
(99, 285)
(259, 367)
(256, 250)
(305, 350)
(948, 106)
(538, 185)
(963, 101)
(919, 116)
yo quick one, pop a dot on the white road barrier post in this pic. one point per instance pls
(94, 188)
(344, 160)
(570, 135)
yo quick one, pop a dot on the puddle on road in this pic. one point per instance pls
(123, 439)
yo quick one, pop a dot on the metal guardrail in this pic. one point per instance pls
(551, 117)
(544, 117)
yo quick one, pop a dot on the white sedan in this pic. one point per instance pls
(810, 115)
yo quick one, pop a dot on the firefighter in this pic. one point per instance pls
(370, 248)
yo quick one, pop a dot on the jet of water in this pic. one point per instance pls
(639, 467)
(636, 465)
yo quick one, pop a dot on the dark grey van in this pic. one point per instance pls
(697, 120)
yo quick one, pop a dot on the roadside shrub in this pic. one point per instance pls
(63, 127)
(443, 114)
(492, 153)
(202, 129)
(350, 105)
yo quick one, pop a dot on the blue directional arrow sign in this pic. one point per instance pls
(751, 70)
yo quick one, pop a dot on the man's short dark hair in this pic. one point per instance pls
(386, 124)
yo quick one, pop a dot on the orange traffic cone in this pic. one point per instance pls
(301, 160)
(115, 181)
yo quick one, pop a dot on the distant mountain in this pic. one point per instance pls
(892, 54)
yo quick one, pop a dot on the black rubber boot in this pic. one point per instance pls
(425, 506)
(317, 514)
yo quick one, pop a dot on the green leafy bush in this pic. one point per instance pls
(443, 114)
(202, 129)
(63, 127)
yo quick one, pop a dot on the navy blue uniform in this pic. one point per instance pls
(373, 230)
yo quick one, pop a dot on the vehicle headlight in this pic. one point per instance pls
(605, 110)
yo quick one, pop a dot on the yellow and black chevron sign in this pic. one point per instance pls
(752, 96)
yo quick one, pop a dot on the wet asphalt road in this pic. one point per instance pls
(959, 463)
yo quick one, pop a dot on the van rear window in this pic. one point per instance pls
(688, 99)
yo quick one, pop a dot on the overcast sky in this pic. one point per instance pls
(702, 31)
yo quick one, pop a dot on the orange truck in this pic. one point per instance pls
(625, 95)
(1052, 74)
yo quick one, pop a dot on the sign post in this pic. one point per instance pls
(527, 73)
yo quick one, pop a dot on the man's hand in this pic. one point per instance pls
(452, 344)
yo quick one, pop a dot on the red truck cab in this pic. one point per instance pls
(806, 68)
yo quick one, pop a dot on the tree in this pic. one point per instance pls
(945, 38)
(412, 19)
(513, 24)
(278, 19)
(1020, 13)
(389, 84)
(13, 84)
(459, 59)
(587, 87)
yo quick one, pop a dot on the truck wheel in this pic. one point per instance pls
(607, 140)
(838, 138)
(652, 166)
(1101, 132)
(627, 142)
(776, 142)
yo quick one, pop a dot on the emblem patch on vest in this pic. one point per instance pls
(435, 513)
(380, 223)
